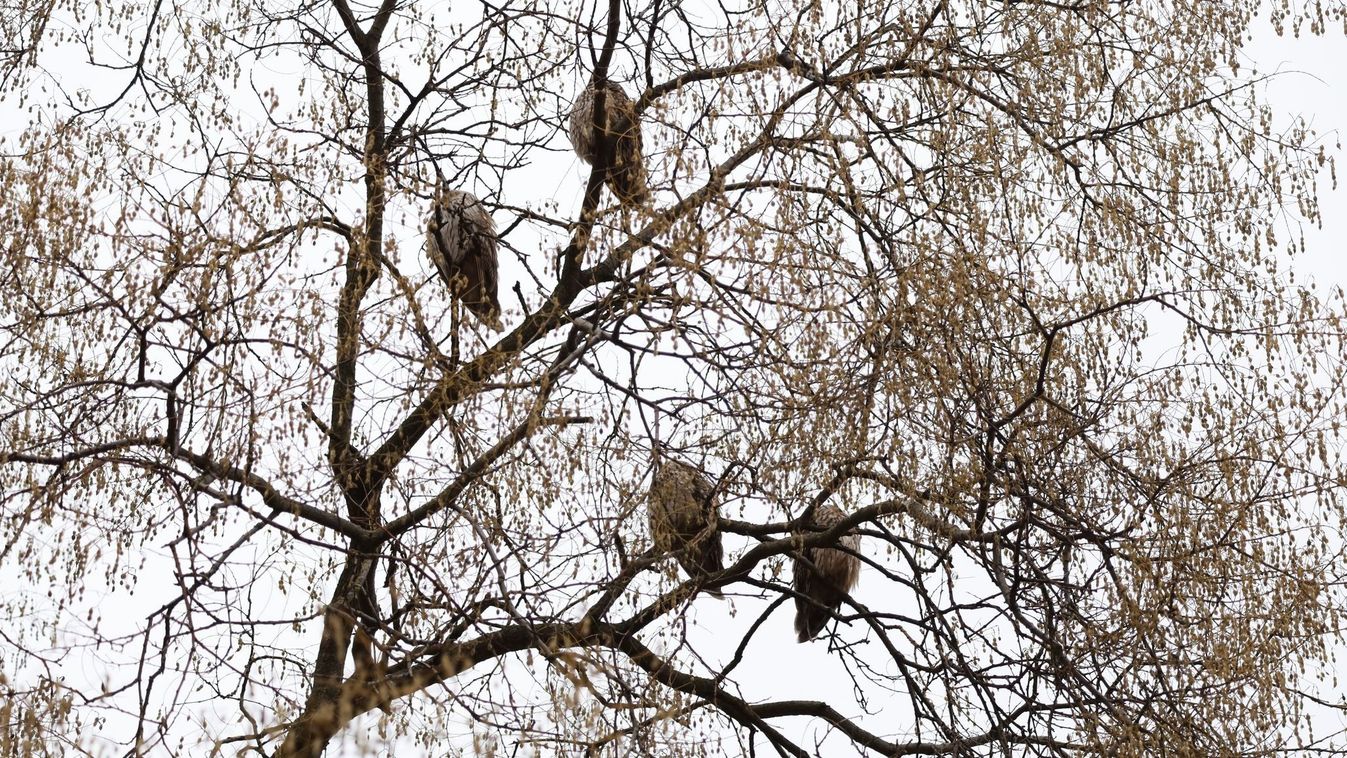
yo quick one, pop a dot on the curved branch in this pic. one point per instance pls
(474, 471)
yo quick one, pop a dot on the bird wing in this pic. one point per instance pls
(450, 234)
(581, 126)
(491, 274)
(479, 274)
(703, 490)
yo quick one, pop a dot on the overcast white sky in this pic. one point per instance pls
(1313, 83)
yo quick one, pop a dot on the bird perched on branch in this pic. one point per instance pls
(683, 517)
(626, 175)
(825, 575)
(461, 242)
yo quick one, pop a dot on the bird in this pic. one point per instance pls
(683, 518)
(626, 175)
(824, 575)
(461, 242)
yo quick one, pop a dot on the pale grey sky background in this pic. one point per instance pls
(1311, 81)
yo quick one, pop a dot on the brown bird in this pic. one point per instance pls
(461, 242)
(683, 517)
(825, 576)
(626, 177)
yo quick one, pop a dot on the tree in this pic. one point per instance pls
(1004, 282)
